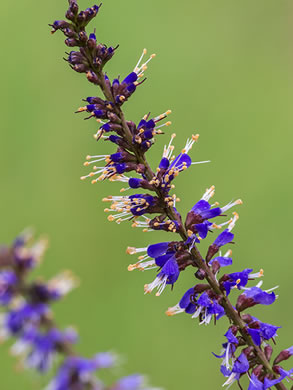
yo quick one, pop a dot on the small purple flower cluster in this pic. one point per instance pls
(247, 350)
(27, 317)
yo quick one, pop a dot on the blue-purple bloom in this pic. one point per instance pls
(253, 296)
(8, 280)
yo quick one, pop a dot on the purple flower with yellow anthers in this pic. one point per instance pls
(188, 303)
(253, 296)
(128, 207)
(238, 279)
(8, 281)
(170, 166)
(205, 307)
(223, 238)
(197, 218)
(159, 254)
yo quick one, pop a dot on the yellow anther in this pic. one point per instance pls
(238, 201)
(145, 230)
(94, 181)
(111, 218)
(81, 109)
(168, 112)
(130, 250)
(106, 210)
(236, 215)
(131, 267)
(169, 123)
(261, 272)
(83, 178)
(238, 281)
(153, 56)
(85, 164)
(195, 137)
(169, 312)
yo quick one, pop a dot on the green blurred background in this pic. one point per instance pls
(225, 69)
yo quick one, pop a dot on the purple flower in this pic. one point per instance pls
(41, 347)
(202, 211)
(187, 303)
(16, 320)
(168, 275)
(222, 261)
(238, 279)
(253, 296)
(76, 373)
(223, 238)
(8, 280)
(207, 308)
(131, 382)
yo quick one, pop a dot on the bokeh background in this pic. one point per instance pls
(225, 70)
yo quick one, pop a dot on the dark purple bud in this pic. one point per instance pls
(268, 350)
(68, 32)
(113, 117)
(73, 6)
(71, 42)
(284, 355)
(92, 77)
(60, 24)
(82, 36)
(81, 17)
(80, 68)
(200, 274)
(247, 318)
(70, 15)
